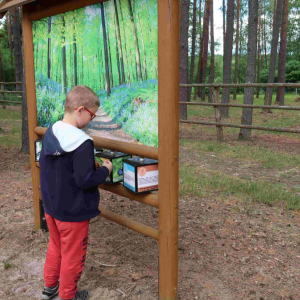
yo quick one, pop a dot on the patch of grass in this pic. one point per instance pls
(6, 264)
(266, 157)
(11, 124)
(192, 182)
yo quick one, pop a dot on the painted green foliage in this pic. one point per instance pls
(116, 56)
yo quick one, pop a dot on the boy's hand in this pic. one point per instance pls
(97, 165)
(108, 165)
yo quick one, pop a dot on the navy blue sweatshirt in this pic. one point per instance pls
(69, 178)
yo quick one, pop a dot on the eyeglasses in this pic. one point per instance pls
(92, 114)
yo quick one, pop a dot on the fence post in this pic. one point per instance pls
(218, 115)
(2, 96)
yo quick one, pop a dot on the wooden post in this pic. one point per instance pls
(32, 113)
(3, 96)
(218, 115)
(168, 146)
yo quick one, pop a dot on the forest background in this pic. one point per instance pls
(272, 26)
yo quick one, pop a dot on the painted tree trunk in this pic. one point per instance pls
(250, 72)
(64, 60)
(144, 50)
(107, 79)
(227, 56)
(110, 62)
(183, 55)
(236, 66)
(126, 54)
(282, 53)
(119, 42)
(212, 51)
(118, 59)
(49, 48)
(192, 68)
(196, 90)
(75, 56)
(274, 44)
(137, 51)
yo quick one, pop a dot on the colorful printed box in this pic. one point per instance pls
(140, 174)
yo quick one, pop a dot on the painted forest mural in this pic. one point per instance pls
(110, 47)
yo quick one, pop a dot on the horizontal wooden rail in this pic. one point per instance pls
(8, 101)
(11, 92)
(139, 227)
(130, 148)
(241, 105)
(229, 85)
(8, 83)
(146, 198)
(242, 126)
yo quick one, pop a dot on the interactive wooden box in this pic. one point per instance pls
(116, 159)
(140, 174)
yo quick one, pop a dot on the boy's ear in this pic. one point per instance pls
(79, 109)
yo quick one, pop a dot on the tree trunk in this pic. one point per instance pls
(250, 73)
(136, 42)
(227, 56)
(212, 51)
(25, 132)
(8, 22)
(64, 60)
(49, 48)
(16, 28)
(205, 47)
(224, 26)
(191, 79)
(196, 90)
(258, 47)
(105, 51)
(110, 62)
(236, 66)
(119, 42)
(183, 54)
(274, 44)
(282, 53)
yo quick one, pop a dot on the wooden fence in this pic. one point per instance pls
(3, 91)
(216, 104)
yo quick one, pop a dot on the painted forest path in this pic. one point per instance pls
(104, 126)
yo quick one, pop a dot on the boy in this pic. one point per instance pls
(69, 187)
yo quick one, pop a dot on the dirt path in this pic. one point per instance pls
(104, 126)
(228, 249)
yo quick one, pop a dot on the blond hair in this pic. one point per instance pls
(81, 95)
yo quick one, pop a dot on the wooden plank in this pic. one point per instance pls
(124, 221)
(5, 5)
(221, 85)
(242, 105)
(11, 92)
(130, 148)
(168, 141)
(8, 83)
(278, 129)
(8, 101)
(51, 8)
(146, 198)
(32, 113)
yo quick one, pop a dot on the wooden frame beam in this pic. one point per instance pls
(129, 148)
(139, 227)
(168, 142)
(51, 8)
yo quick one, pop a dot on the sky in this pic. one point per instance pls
(218, 25)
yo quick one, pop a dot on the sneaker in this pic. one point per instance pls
(50, 293)
(81, 295)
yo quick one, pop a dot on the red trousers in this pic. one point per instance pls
(66, 255)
